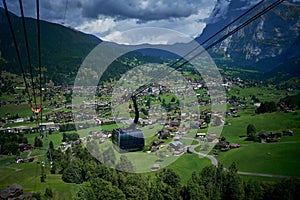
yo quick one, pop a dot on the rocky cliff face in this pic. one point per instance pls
(266, 43)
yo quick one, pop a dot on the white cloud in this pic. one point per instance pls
(98, 26)
(115, 17)
(110, 29)
(148, 35)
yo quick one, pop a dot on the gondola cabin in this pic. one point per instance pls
(128, 139)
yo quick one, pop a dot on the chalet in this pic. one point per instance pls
(154, 148)
(25, 147)
(177, 153)
(63, 145)
(155, 167)
(156, 143)
(19, 160)
(257, 104)
(269, 137)
(263, 137)
(195, 126)
(176, 138)
(14, 191)
(233, 110)
(163, 134)
(212, 138)
(232, 146)
(175, 124)
(200, 135)
(101, 140)
(176, 146)
(222, 145)
(49, 126)
(172, 129)
(288, 133)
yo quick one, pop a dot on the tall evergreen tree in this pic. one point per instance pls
(251, 132)
(234, 186)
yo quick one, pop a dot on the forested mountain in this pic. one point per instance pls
(63, 49)
(270, 43)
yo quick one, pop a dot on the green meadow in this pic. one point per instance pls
(279, 158)
(28, 175)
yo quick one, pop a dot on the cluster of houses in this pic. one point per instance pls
(14, 102)
(60, 116)
(224, 146)
(273, 137)
(285, 107)
(101, 136)
(212, 137)
(220, 144)
(26, 129)
(232, 112)
(14, 191)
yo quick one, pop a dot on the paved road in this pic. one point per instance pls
(262, 175)
(214, 161)
(192, 149)
(28, 156)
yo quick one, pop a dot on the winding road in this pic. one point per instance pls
(214, 161)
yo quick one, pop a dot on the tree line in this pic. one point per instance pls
(212, 183)
(9, 143)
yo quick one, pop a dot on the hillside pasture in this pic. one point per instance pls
(279, 158)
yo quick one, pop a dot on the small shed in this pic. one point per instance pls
(155, 167)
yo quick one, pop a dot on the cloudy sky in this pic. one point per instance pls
(107, 19)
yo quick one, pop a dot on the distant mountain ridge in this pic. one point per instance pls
(270, 43)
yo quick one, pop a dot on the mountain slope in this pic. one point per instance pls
(267, 43)
(63, 49)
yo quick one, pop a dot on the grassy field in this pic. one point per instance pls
(274, 158)
(22, 110)
(281, 158)
(55, 137)
(187, 164)
(28, 175)
(262, 93)
(268, 122)
(259, 178)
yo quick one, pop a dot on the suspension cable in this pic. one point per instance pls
(28, 52)
(39, 49)
(218, 32)
(267, 9)
(17, 51)
(66, 8)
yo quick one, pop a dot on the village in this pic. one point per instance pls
(167, 127)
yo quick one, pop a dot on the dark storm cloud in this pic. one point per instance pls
(54, 10)
(79, 10)
(109, 18)
(143, 10)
